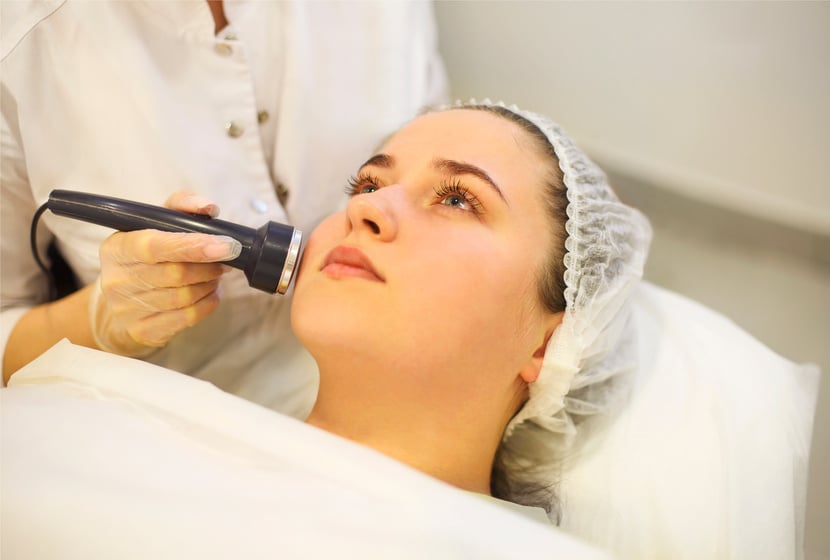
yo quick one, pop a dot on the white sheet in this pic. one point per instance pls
(105, 457)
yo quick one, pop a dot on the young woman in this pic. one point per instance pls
(482, 260)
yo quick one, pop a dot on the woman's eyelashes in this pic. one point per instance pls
(454, 194)
(449, 192)
(362, 184)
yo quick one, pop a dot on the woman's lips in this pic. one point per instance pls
(349, 262)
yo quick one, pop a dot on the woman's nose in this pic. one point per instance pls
(373, 214)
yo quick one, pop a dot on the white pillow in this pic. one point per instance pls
(709, 457)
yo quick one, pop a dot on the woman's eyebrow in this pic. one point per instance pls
(460, 168)
(380, 160)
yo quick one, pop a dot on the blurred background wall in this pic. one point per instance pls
(714, 119)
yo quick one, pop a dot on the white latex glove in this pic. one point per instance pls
(155, 284)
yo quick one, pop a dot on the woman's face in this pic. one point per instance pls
(432, 269)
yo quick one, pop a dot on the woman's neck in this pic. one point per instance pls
(454, 442)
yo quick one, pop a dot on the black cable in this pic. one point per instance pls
(53, 291)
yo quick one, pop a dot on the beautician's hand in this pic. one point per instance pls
(155, 284)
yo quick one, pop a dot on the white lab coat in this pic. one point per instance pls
(140, 99)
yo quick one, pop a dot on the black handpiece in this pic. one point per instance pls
(269, 256)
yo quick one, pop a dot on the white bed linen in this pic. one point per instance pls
(106, 457)
(708, 459)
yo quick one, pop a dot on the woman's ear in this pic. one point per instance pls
(530, 372)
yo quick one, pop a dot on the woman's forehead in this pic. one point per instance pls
(476, 127)
(477, 137)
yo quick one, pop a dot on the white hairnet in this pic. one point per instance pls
(605, 252)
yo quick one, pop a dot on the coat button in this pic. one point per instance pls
(262, 117)
(259, 205)
(234, 130)
(223, 49)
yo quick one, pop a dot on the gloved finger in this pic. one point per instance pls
(157, 329)
(138, 277)
(159, 300)
(188, 201)
(151, 246)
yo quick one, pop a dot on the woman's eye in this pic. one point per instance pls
(455, 200)
(364, 189)
(362, 185)
(457, 196)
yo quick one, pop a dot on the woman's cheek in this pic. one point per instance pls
(324, 235)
